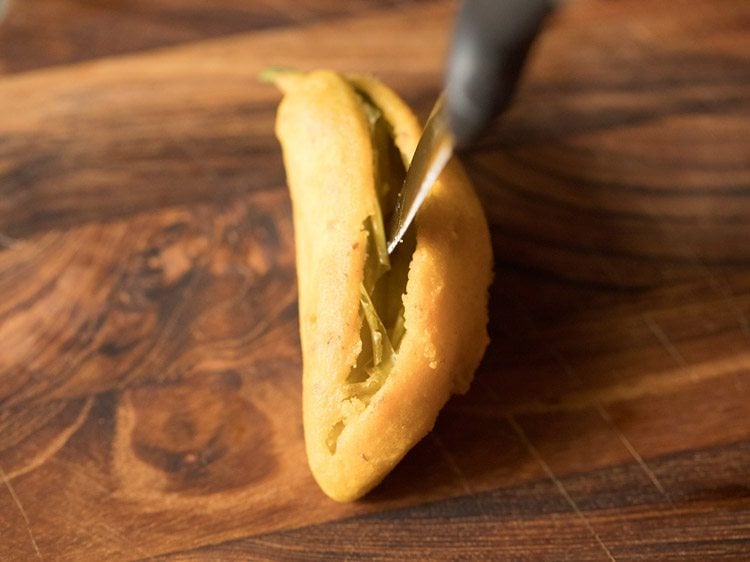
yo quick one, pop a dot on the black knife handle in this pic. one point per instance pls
(490, 44)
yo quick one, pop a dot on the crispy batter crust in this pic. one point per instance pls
(328, 157)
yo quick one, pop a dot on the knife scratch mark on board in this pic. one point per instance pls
(610, 422)
(22, 510)
(456, 469)
(633, 452)
(664, 340)
(721, 286)
(571, 373)
(566, 366)
(534, 452)
(718, 281)
(58, 443)
(655, 329)
(5, 240)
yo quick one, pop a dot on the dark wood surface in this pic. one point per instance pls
(149, 357)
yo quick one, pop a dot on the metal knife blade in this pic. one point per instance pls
(490, 45)
(433, 151)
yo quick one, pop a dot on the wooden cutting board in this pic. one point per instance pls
(149, 356)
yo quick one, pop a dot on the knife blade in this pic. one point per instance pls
(433, 151)
(491, 42)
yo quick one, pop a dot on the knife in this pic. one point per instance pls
(490, 44)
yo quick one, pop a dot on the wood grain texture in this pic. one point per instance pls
(149, 357)
(42, 33)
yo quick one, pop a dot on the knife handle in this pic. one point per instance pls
(490, 44)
